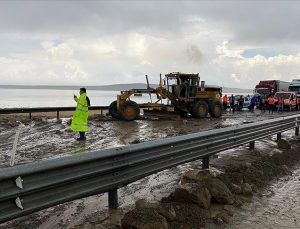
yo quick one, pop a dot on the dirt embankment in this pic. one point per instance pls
(232, 182)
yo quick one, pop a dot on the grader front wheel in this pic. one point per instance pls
(113, 110)
(200, 109)
(129, 110)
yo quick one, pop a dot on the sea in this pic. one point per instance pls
(28, 98)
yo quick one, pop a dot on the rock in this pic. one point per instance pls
(286, 170)
(228, 208)
(221, 218)
(143, 219)
(225, 218)
(193, 193)
(246, 189)
(197, 176)
(168, 211)
(283, 144)
(164, 209)
(140, 204)
(254, 188)
(248, 164)
(220, 192)
(218, 220)
(135, 141)
(237, 203)
(236, 189)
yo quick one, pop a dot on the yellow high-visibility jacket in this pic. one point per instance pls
(80, 116)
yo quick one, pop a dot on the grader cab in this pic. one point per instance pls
(192, 96)
(181, 89)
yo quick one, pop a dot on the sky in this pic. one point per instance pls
(229, 43)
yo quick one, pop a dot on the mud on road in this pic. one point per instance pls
(45, 138)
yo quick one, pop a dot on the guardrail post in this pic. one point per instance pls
(297, 128)
(57, 114)
(101, 112)
(30, 115)
(205, 163)
(113, 199)
(252, 145)
(278, 136)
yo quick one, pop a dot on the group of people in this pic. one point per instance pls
(262, 102)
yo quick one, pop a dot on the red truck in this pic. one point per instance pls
(268, 87)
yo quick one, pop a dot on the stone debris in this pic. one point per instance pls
(164, 209)
(220, 192)
(283, 144)
(236, 189)
(193, 193)
(197, 176)
(247, 190)
(146, 218)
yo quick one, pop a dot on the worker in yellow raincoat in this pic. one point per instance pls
(80, 116)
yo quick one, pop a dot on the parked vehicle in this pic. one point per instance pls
(295, 86)
(268, 87)
(246, 102)
(289, 99)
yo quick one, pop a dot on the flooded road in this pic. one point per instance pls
(48, 138)
(45, 138)
(277, 207)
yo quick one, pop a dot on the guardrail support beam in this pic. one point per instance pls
(252, 145)
(113, 199)
(297, 131)
(205, 162)
(278, 136)
(57, 114)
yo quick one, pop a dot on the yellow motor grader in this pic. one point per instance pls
(185, 92)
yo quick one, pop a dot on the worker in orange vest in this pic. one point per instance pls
(271, 103)
(280, 104)
(225, 101)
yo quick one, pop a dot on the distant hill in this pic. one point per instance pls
(236, 90)
(112, 87)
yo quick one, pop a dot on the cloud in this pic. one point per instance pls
(194, 54)
(104, 42)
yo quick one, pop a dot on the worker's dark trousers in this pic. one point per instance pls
(82, 135)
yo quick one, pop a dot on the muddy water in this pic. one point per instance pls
(47, 138)
(278, 207)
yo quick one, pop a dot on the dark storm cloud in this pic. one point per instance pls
(79, 17)
(247, 21)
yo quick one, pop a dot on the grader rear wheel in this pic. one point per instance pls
(215, 109)
(200, 109)
(113, 111)
(129, 110)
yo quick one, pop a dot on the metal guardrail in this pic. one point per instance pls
(46, 109)
(55, 109)
(31, 187)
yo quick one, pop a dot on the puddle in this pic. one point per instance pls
(278, 207)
